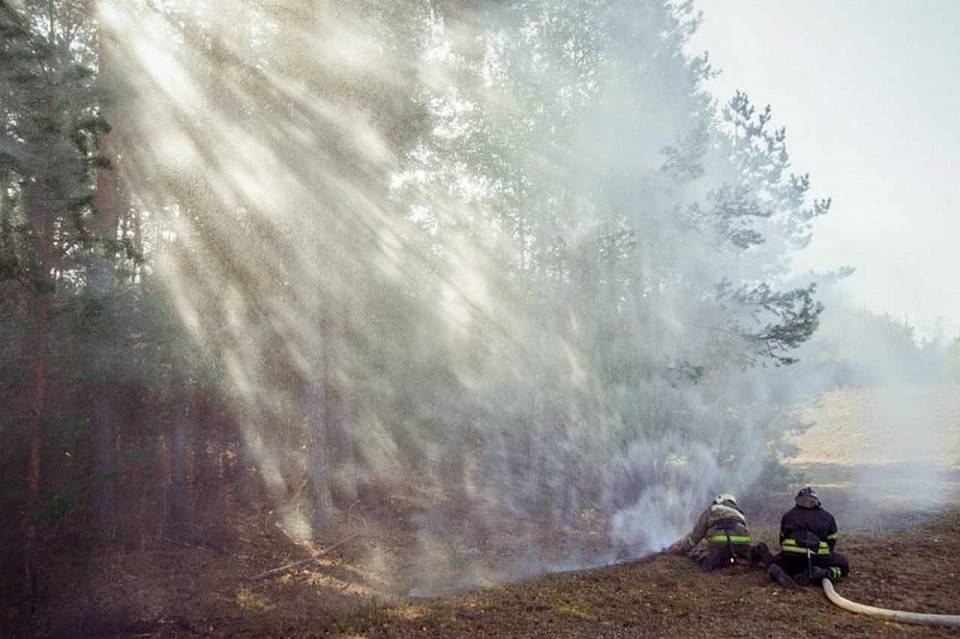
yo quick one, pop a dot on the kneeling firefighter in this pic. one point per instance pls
(808, 535)
(724, 527)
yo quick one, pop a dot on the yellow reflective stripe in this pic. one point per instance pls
(833, 536)
(803, 551)
(793, 542)
(790, 545)
(734, 539)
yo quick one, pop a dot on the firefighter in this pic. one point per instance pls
(808, 535)
(724, 527)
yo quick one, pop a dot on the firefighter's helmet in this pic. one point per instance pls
(807, 498)
(725, 498)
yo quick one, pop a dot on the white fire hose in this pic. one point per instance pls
(900, 616)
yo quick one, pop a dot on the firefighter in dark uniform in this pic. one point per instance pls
(808, 535)
(724, 527)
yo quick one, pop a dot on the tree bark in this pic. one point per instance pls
(102, 402)
(338, 411)
(37, 351)
(177, 511)
(318, 464)
(101, 276)
(205, 450)
(38, 347)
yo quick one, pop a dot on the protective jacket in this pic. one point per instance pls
(808, 530)
(721, 525)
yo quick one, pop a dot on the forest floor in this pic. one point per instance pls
(196, 593)
(900, 529)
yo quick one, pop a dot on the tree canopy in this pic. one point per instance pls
(504, 259)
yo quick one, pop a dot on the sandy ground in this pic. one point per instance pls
(883, 451)
(899, 426)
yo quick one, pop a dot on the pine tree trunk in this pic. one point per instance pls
(103, 230)
(318, 464)
(346, 448)
(37, 350)
(102, 419)
(339, 410)
(204, 450)
(177, 488)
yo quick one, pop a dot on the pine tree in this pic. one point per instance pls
(48, 155)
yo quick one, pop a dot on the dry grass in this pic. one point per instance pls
(669, 597)
(902, 556)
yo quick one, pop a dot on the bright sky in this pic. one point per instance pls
(869, 91)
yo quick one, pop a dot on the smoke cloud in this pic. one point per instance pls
(498, 271)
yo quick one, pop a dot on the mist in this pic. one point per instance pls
(505, 281)
(526, 279)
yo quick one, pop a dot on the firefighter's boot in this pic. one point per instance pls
(812, 576)
(780, 576)
(761, 555)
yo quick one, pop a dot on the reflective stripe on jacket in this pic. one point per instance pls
(715, 524)
(790, 545)
(808, 530)
(724, 538)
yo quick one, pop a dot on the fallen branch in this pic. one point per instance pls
(303, 562)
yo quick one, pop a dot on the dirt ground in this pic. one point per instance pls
(669, 597)
(195, 593)
(901, 545)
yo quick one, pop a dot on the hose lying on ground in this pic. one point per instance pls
(885, 613)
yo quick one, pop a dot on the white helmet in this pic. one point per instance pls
(725, 498)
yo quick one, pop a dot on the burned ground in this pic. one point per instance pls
(199, 592)
(901, 549)
(670, 597)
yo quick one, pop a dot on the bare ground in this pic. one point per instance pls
(195, 593)
(669, 597)
(902, 548)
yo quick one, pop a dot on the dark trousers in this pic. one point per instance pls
(796, 564)
(760, 554)
(721, 556)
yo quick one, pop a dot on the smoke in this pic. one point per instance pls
(911, 446)
(663, 483)
(499, 272)
(880, 411)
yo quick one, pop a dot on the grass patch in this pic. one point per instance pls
(249, 600)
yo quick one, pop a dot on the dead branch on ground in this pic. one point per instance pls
(302, 562)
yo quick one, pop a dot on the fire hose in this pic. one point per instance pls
(900, 616)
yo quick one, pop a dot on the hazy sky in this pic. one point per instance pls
(869, 91)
